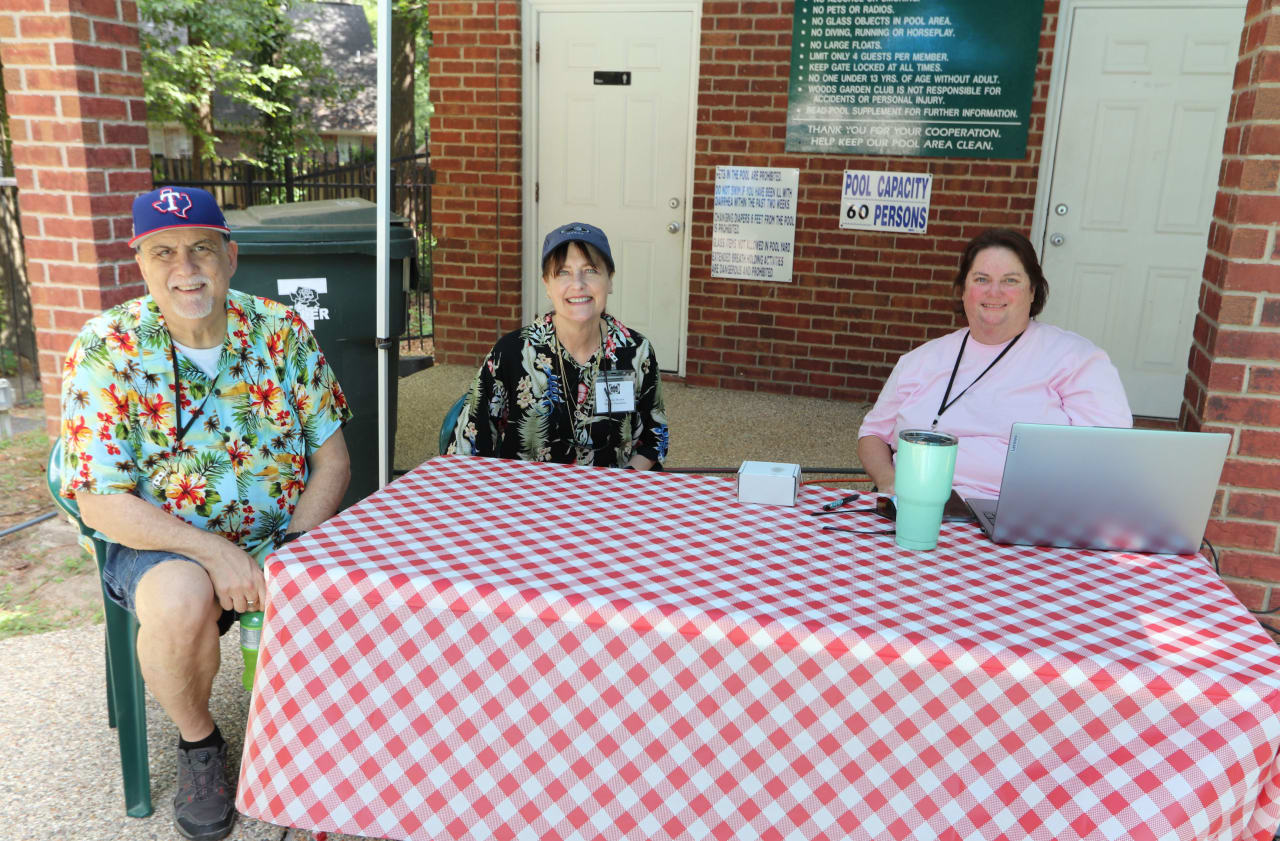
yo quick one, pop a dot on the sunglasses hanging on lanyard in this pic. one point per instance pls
(177, 400)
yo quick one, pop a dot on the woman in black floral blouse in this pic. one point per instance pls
(576, 386)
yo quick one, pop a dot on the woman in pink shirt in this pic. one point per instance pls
(1004, 367)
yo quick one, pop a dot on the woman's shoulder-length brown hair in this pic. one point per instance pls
(1020, 246)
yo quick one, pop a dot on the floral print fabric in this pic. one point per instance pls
(516, 407)
(241, 464)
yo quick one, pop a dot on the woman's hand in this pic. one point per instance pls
(877, 459)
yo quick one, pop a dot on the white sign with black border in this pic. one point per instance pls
(885, 201)
(615, 392)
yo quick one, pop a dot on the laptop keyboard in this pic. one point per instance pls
(991, 516)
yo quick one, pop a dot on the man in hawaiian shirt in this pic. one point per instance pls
(201, 428)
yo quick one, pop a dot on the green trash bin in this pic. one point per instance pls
(320, 259)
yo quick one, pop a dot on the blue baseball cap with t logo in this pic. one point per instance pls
(175, 207)
(578, 232)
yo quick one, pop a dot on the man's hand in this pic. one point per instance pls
(237, 580)
(128, 520)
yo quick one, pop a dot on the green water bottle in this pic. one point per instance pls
(250, 639)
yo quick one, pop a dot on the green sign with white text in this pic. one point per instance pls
(935, 78)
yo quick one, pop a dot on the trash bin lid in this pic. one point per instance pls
(330, 226)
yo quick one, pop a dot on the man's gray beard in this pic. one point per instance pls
(195, 310)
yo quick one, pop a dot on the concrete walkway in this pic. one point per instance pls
(59, 762)
(710, 427)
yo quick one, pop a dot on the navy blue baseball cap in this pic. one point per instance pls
(578, 232)
(176, 207)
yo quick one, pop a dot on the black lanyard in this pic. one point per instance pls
(594, 374)
(177, 397)
(945, 404)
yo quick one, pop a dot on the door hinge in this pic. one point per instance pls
(537, 51)
(536, 185)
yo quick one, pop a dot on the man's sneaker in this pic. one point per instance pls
(203, 807)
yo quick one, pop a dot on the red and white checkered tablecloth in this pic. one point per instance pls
(492, 649)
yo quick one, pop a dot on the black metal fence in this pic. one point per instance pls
(240, 184)
(18, 355)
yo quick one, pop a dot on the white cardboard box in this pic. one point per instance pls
(768, 483)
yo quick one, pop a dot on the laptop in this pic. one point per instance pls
(1098, 487)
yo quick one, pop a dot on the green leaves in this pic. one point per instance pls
(270, 522)
(205, 508)
(245, 50)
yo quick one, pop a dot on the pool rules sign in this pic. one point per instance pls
(921, 78)
(754, 226)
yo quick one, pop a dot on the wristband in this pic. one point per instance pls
(291, 535)
(628, 467)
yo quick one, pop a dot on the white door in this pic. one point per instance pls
(1135, 174)
(617, 155)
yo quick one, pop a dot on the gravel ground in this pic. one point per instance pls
(59, 764)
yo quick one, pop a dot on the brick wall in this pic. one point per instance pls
(80, 147)
(476, 153)
(1234, 383)
(857, 300)
(76, 113)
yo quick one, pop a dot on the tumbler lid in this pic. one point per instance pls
(928, 437)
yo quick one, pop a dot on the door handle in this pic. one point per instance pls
(1057, 239)
(673, 228)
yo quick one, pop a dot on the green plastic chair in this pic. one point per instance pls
(126, 698)
(450, 423)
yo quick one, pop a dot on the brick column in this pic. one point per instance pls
(1234, 380)
(74, 93)
(476, 154)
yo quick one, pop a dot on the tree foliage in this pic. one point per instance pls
(6, 154)
(411, 106)
(244, 50)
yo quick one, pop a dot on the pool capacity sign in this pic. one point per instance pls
(754, 226)
(885, 201)
(945, 78)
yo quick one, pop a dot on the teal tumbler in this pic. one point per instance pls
(923, 469)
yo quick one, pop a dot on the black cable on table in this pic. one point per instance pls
(1204, 541)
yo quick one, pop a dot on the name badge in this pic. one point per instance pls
(615, 392)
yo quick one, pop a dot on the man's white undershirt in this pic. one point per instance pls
(206, 358)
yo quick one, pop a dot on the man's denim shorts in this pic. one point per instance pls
(125, 567)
